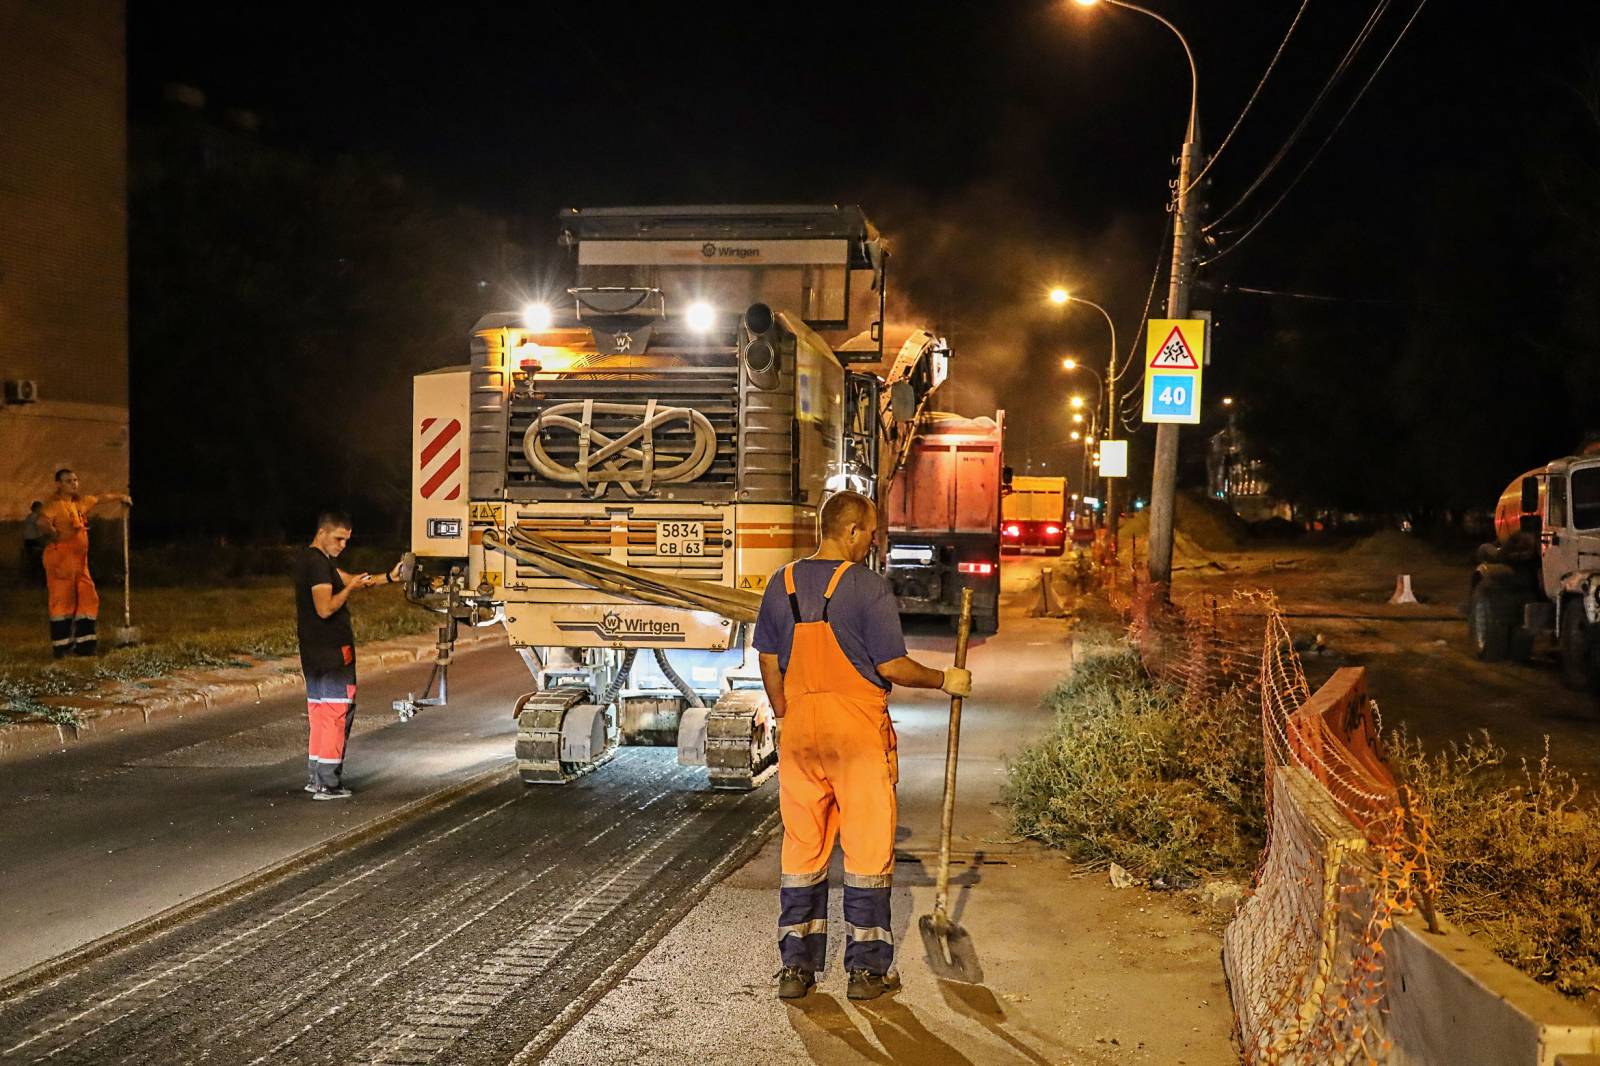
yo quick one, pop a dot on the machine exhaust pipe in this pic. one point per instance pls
(760, 341)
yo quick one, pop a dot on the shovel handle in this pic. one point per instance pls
(952, 753)
(127, 578)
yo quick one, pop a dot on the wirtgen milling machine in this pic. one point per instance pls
(615, 476)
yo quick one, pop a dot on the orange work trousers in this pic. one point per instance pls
(74, 602)
(837, 770)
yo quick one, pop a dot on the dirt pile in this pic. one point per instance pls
(1390, 547)
(1209, 525)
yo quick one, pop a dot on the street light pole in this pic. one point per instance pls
(1164, 478)
(1110, 390)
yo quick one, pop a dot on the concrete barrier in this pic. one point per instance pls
(1449, 999)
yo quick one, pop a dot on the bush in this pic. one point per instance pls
(1520, 866)
(1129, 775)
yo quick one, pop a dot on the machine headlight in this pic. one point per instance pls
(537, 317)
(700, 317)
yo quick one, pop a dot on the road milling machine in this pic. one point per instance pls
(616, 474)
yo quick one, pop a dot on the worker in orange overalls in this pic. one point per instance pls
(74, 603)
(831, 646)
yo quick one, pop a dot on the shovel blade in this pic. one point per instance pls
(126, 636)
(949, 949)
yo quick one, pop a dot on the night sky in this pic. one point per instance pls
(1002, 146)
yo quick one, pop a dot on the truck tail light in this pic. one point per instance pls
(1052, 531)
(981, 569)
(1013, 530)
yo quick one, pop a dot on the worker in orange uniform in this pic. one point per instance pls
(831, 646)
(74, 603)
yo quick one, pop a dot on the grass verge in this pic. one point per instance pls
(1519, 849)
(183, 629)
(1129, 775)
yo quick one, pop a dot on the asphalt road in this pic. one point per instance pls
(124, 826)
(483, 931)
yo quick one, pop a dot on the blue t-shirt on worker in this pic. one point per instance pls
(864, 615)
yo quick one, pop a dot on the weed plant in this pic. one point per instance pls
(1129, 775)
(1519, 856)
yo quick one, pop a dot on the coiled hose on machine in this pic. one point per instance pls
(631, 460)
(601, 573)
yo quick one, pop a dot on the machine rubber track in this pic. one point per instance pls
(741, 751)
(540, 718)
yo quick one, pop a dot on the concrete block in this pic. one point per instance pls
(1450, 1000)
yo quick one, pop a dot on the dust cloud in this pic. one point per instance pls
(978, 266)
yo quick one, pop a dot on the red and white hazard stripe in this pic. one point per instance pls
(439, 461)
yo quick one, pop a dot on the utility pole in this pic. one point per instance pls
(1111, 432)
(1164, 479)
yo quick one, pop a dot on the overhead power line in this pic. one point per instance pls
(1250, 102)
(1326, 141)
(1305, 120)
(1149, 298)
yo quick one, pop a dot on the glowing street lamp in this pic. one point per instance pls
(1077, 418)
(1227, 401)
(1069, 363)
(1058, 295)
(1077, 403)
(1164, 475)
(1076, 435)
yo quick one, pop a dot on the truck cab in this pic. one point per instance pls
(1540, 580)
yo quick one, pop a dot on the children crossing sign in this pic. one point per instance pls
(1175, 350)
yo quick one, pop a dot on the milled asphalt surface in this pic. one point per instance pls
(123, 826)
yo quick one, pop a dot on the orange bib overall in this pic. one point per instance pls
(74, 603)
(837, 770)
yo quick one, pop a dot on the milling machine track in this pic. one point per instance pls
(560, 736)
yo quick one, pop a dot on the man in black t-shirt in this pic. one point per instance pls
(328, 649)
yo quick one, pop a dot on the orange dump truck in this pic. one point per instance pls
(943, 511)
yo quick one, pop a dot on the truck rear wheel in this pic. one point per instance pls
(1490, 620)
(1580, 670)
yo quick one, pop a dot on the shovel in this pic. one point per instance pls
(949, 947)
(127, 634)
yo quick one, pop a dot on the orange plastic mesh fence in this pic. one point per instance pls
(1344, 856)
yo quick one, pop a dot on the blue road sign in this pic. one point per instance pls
(1173, 396)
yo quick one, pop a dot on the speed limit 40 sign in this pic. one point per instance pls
(1174, 354)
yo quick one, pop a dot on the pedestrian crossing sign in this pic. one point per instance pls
(1175, 352)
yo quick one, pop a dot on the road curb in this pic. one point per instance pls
(132, 935)
(154, 700)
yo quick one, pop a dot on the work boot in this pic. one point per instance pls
(793, 982)
(865, 984)
(331, 794)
